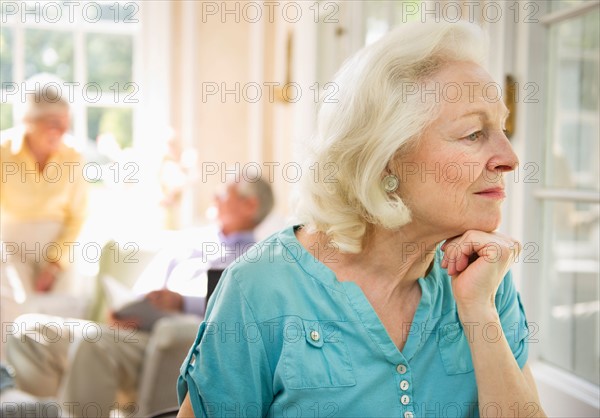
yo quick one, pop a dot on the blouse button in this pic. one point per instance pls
(408, 414)
(405, 399)
(401, 368)
(404, 385)
(314, 335)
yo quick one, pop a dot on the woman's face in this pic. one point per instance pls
(45, 133)
(453, 180)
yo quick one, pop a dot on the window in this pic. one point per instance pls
(570, 197)
(6, 74)
(346, 26)
(90, 45)
(382, 16)
(94, 47)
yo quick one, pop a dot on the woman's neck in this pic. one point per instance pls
(389, 265)
(41, 157)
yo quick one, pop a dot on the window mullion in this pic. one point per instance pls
(19, 53)
(80, 106)
(18, 69)
(584, 196)
(566, 14)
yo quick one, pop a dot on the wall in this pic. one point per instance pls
(215, 55)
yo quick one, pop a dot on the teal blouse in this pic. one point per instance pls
(283, 337)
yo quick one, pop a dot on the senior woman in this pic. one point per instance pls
(393, 297)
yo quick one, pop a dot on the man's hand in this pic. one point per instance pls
(47, 277)
(477, 262)
(166, 300)
(122, 323)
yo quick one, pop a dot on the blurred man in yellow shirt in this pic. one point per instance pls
(42, 197)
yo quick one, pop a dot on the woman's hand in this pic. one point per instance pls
(477, 262)
(47, 277)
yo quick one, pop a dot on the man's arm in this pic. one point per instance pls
(167, 300)
(193, 305)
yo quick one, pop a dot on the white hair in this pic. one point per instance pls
(373, 120)
(46, 94)
(256, 186)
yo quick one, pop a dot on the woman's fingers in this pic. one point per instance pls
(461, 251)
(462, 262)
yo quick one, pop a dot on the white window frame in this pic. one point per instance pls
(517, 48)
(562, 393)
(78, 28)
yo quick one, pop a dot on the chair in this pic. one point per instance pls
(171, 337)
(169, 343)
(169, 413)
(171, 340)
(124, 263)
(214, 275)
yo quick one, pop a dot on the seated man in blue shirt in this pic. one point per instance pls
(84, 363)
(240, 208)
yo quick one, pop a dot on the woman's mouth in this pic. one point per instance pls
(492, 193)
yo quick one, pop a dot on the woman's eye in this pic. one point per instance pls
(474, 136)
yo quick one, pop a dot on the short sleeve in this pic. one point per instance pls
(225, 372)
(513, 319)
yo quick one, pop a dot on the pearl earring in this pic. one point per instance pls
(390, 183)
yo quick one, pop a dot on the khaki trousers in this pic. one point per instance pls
(24, 246)
(81, 363)
(22, 257)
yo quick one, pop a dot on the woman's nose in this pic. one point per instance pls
(504, 159)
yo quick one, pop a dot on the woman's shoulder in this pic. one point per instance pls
(281, 253)
(278, 276)
(269, 253)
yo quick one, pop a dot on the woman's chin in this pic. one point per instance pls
(489, 224)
